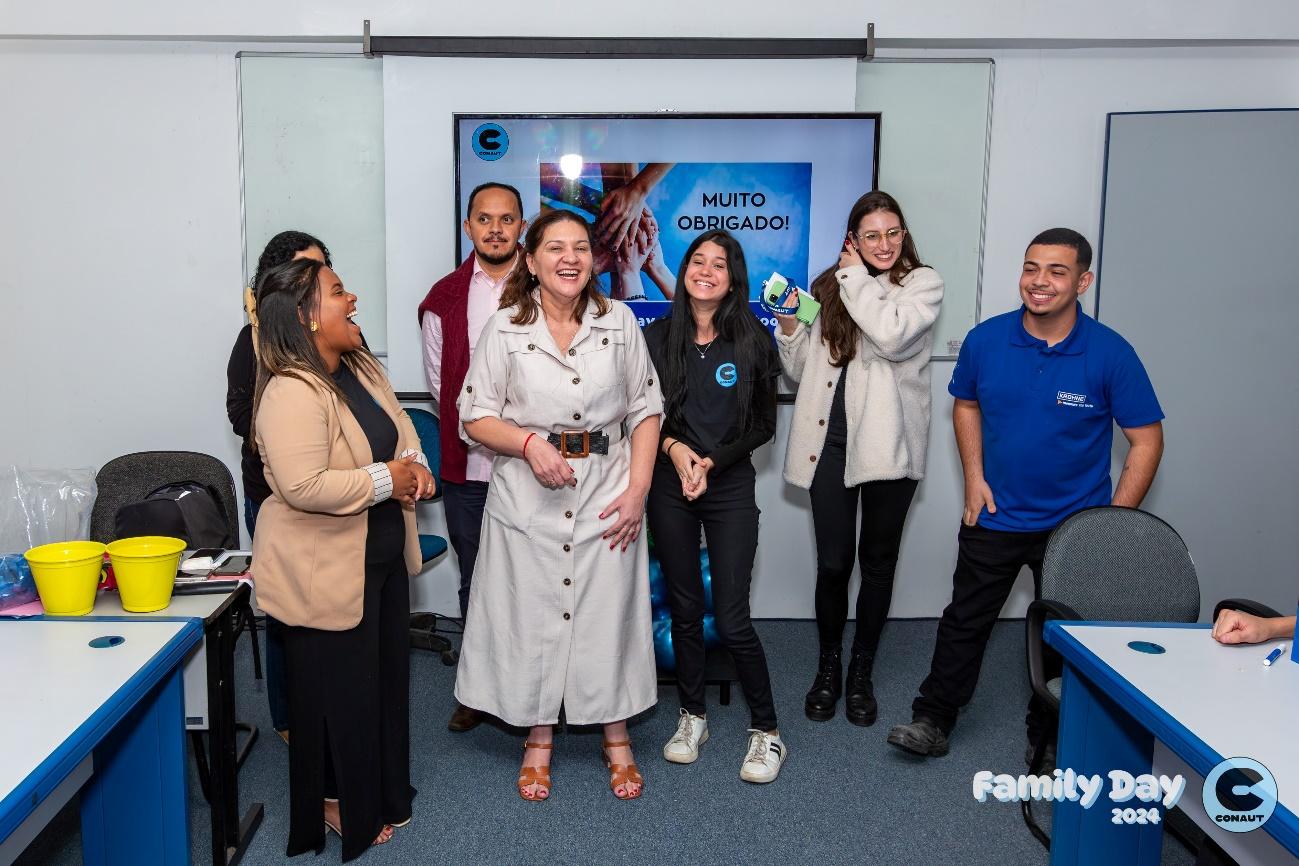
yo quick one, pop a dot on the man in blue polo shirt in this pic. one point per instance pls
(1037, 393)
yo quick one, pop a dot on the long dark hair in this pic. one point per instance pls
(288, 297)
(519, 286)
(733, 321)
(838, 330)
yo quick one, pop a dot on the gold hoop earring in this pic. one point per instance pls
(315, 326)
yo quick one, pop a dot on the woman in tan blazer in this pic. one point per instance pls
(335, 546)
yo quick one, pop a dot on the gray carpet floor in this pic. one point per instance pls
(844, 795)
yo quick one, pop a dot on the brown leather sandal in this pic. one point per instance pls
(622, 774)
(539, 776)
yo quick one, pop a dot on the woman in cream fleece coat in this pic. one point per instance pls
(860, 431)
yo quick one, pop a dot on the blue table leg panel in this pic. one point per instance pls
(1097, 736)
(133, 810)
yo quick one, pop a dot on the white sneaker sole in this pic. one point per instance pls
(674, 758)
(760, 777)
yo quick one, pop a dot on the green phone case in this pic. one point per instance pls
(808, 307)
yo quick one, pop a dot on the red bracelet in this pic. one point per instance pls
(525, 443)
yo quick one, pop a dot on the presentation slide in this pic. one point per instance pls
(781, 184)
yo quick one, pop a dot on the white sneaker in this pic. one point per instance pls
(766, 755)
(692, 732)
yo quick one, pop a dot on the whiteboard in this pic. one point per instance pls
(1196, 272)
(311, 148)
(933, 160)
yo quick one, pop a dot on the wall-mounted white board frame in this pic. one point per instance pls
(1194, 270)
(934, 145)
(311, 159)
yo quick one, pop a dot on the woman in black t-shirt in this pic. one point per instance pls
(718, 367)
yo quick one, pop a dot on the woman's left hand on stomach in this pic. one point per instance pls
(630, 507)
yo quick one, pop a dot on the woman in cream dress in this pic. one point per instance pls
(559, 605)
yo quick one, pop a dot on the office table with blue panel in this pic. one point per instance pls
(109, 716)
(1185, 709)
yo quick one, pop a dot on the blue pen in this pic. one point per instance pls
(1273, 656)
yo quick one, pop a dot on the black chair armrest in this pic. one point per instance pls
(1035, 621)
(1244, 605)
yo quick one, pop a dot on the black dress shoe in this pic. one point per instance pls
(921, 737)
(826, 688)
(464, 719)
(859, 704)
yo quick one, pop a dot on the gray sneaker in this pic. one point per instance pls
(692, 732)
(764, 759)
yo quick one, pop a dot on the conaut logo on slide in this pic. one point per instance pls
(490, 141)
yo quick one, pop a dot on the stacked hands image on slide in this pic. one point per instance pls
(626, 236)
(567, 432)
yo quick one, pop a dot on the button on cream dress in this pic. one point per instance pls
(556, 617)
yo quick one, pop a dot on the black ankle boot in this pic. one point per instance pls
(826, 688)
(860, 706)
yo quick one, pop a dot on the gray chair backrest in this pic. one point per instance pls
(132, 477)
(1121, 565)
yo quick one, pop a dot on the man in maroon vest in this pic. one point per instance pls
(451, 318)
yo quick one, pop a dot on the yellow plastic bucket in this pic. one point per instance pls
(67, 575)
(145, 570)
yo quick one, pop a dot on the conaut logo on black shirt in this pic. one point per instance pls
(1065, 398)
(726, 375)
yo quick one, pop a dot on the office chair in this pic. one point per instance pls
(424, 631)
(1244, 605)
(132, 477)
(1109, 564)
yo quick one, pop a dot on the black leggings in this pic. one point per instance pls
(728, 514)
(884, 506)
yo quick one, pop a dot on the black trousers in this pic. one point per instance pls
(349, 710)
(987, 563)
(884, 507)
(464, 509)
(728, 515)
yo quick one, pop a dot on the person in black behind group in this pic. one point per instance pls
(241, 384)
(718, 368)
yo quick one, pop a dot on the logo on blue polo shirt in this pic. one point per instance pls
(1065, 398)
(726, 375)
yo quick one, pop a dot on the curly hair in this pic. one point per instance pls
(283, 247)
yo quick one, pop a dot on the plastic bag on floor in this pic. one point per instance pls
(40, 506)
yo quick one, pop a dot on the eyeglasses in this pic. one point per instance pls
(873, 239)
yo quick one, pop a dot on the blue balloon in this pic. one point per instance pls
(711, 637)
(658, 585)
(706, 569)
(663, 652)
(662, 611)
